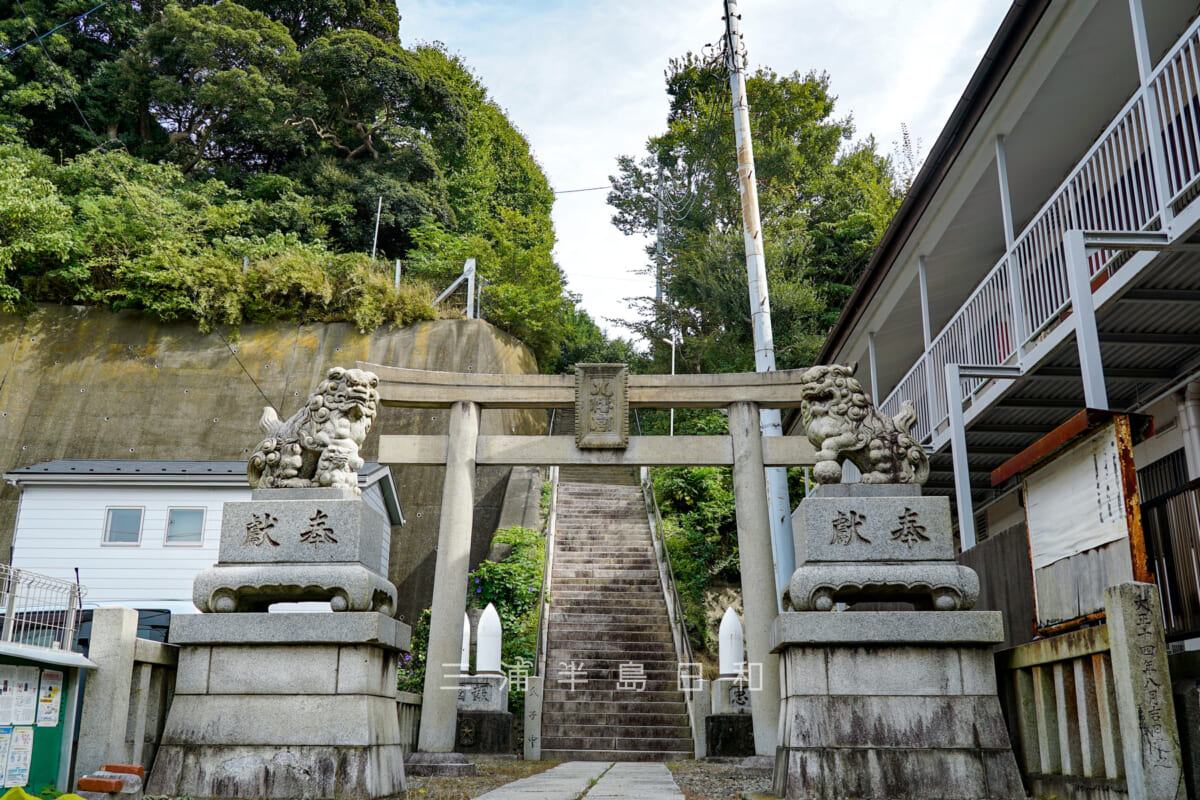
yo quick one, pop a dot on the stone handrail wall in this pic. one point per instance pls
(697, 705)
(408, 708)
(126, 697)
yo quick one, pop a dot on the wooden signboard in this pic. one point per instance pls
(1079, 488)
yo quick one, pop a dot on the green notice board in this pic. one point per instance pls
(32, 711)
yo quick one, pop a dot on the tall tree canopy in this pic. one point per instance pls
(163, 143)
(825, 201)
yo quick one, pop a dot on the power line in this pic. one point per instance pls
(233, 353)
(71, 96)
(8, 51)
(590, 189)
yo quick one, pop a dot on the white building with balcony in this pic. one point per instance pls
(1047, 260)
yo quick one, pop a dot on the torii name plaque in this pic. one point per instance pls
(601, 406)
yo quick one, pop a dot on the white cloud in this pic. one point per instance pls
(583, 79)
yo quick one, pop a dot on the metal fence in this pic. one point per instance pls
(1171, 526)
(38, 610)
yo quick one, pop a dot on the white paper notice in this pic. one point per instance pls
(5, 742)
(8, 682)
(20, 756)
(49, 698)
(25, 696)
(1077, 502)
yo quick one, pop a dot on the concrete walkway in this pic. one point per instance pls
(574, 780)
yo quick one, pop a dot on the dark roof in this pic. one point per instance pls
(139, 467)
(175, 473)
(1006, 45)
(131, 466)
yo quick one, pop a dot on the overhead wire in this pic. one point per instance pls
(8, 51)
(71, 96)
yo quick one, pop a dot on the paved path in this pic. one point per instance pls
(574, 780)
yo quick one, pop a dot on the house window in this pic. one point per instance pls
(185, 526)
(123, 526)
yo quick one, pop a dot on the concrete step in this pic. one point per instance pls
(616, 630)
(602, 571)
(584, 693)
(665, 743)
(615, 653)
(615, 755)
(624, 602)
(615, 622)
(585, 584)
(673, 711)
(565, 637)
(584, 730)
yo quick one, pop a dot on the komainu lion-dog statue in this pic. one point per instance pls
(318, 445)
(844, 425)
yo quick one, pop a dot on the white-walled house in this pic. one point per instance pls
(138, 532)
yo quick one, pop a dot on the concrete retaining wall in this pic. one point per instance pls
(83, 383)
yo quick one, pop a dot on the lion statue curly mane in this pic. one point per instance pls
(844, 425)
(318, 445)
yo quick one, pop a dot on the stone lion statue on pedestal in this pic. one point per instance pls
(844, 425)
(318, 445)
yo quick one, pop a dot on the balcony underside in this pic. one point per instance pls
(1150, 345)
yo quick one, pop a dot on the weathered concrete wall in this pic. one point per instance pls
(83, 383)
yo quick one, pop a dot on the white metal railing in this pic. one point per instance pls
(38, 610)
(1112, 188)
(1176, 83)
(912, 387)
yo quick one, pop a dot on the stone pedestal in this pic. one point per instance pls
(729, 735)
(887, 704)
(484, 724)
(283, 706)
(292, 545)
(892, 704)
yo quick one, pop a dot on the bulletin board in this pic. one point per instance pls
(32, 711)
(1084, 523)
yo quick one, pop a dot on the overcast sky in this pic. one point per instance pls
(583, 80)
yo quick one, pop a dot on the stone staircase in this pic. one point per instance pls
(607, 608)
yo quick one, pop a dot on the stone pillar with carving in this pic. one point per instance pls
(281, 705)
(882, 703)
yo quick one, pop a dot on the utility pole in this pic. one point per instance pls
(760, 305)
(658, 244)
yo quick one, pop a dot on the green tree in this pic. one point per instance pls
(206, 84)
(308, 19)
(824, 202)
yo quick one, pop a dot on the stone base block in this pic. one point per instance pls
(729, 735)
(351, 627)
(730, 696)
(482, 693)
(891, 705)
(264, 708)
(940, 586)
(313, 771)
(442, 765)
(484, 732)
(253, 588)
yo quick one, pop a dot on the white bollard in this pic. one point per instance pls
(487, 647)
(731, 651)
(464, 666)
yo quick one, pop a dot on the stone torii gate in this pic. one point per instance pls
(602, 395)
